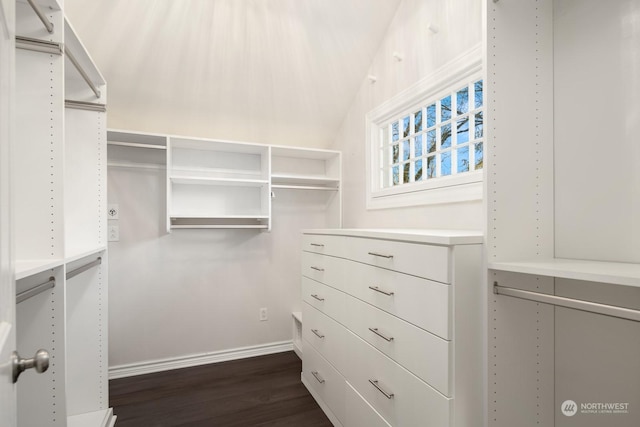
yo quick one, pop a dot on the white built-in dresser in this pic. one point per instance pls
(393, 326)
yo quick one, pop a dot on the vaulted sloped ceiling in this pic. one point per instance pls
(270, 71)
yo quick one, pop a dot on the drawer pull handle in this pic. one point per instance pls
(317, 268)
(317, 297)
(376, 385)
(375, 331)
(317, 245)
(381, 255)
(317, 377)
(318, 334)
(377, 289)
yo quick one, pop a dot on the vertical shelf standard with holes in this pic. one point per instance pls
(216, 184)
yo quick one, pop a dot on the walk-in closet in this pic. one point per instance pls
(302, 213)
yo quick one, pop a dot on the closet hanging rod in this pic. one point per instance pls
(36, 45)
(47, 24)
(83, 105)
(25, 295)
(83, 73)
(84, 268)
(588, 306)
(304, 187)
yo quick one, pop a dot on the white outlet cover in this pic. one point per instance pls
(113, 233)
(113, 211)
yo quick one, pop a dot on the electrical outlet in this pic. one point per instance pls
(263, 314)
(113, 233)
(113, 211)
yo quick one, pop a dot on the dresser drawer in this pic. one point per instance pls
(326, 335)
(323, 244)
(325, 269)
(428, 261)
(422, 302)
(325, 381)
(425, 355)
(328, 300)
(360, 413)
(395, 393)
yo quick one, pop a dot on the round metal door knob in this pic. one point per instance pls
(39, 362)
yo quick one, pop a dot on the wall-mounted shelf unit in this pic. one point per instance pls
(217, 184)
(136, 150)
(294, 168)
(214, 184)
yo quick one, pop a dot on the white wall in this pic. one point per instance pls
(596, 128)
(460, 28)
(198, 291)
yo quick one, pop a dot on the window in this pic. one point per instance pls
(427, 144)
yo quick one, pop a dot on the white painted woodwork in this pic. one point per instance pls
(87, 331)
(562, 219)
(321, 244)
(324, 298)
(428, 261)
(434, 380)
(424, 303)
(327, 384)
(325, 269)
(58, 185)
(7, 283)
(425, 355)
(85, 181)
(414, 401)
(326, 335)
(360, 413)
(40, 323)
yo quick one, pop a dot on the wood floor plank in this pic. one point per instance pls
(261, 391)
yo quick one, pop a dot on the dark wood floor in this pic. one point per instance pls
(261, 391)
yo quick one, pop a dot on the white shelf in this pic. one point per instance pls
(615, 273)
(291, 179)
(136, 145)
(200, 180)
(79, 255)
(104, 418)
(221, 226)
(30, 267)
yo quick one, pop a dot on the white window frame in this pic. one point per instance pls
(466, 186)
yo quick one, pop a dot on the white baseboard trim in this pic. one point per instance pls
(159, 365)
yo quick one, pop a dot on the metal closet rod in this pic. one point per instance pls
(84, 268)
(47, 24)
(25, 295)
(37, 45)
(588, 306)
(84, 75)
(83, 105)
